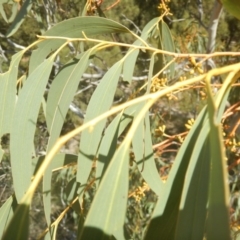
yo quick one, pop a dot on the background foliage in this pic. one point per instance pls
(115, 123)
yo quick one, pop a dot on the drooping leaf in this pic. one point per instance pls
(129, 63)
(2, 11)
(15, 7)
(168, 45)
(24, 124)
(62, 93)
(57, 162)
(18, 227)
(100, 102)
(218, 209)
(164, 218)
(112, 194)
(73, 28)
(8, 82)
(142, 148)
(25, 8)
(6, 212)
(109, 142)
(165, 42)
(193, 206)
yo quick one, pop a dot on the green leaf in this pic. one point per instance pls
(62, 93)
(19, 224)
(109, 142)
(164, 218)
(73, 28)
(129, 63)
(232, 6)
(193, 206)
(8, 82)
(25, 8)
(71, 191)
(15, 7)
(166, 43)
(6, 212)
(24, 125)
(142, 148)
(58, 161)
(2, 12)
(218, 209)
(100, 102)
(113, 195)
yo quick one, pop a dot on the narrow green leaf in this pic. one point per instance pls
(150, 172)
(113, 195)
(218, 225)
(109, 142)
(8, 82)
(24, 125)
(100, 102)
(17, 229)
(15, 7)
(6, 212)
(164, 218)
(73, 28)
(165, 42)
(193, 206)
(142, 147)
(59, 98)
(58, 161)
(2, 12)
(129, 63)
(25, 8)
(168, 45)
(71, 191)
(62, 93)
(159, 64)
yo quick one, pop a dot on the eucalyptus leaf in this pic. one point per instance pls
(24, 125)
(8, 93)
(25, 8)
(110, 140)
(6, 212)
(129, 63)
(73, 28)
(112, 194)
(100, 102)
(218, 209)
